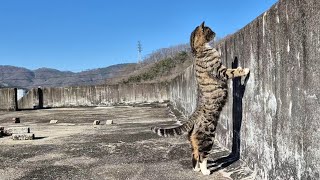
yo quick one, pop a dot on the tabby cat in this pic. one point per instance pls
(212, 79)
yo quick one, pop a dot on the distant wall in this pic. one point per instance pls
(30, 100)
(103, 95)
(8, 99)
(183, 91)
(273, 122)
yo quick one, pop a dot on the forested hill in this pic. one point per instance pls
(11, 76)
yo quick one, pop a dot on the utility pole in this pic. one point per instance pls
(2, 78)
(139, 52)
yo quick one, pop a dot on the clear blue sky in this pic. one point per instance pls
(84, 34)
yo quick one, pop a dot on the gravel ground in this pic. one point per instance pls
(75, 149)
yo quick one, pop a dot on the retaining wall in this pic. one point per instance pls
(8, 99)
(183, 91)
(273, 121)
(31, 100)
(103, 95)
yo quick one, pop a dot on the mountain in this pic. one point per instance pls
(15, 76)
(12, 76)
(161, 65)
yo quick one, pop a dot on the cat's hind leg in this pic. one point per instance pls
(195, 152)
(204, 147)
(195, 163)
(203, 167)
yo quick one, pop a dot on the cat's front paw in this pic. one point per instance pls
(206, 172)
(246, 71)
(242, 71)
(196, 169)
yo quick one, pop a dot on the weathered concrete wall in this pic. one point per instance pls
(103, 95)
(8, 99)
(31, 99)
(183, 91)
(138, 93)
(273, 122)
(80, 96)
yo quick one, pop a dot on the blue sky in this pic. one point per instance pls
(77, 35)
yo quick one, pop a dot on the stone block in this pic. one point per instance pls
(16, 130)
(109, 122)
(24, 136)
(96, 122)
(16, 120)
(53, 121)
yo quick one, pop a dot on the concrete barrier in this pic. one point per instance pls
(53, 121)
(25, 136)
(183, 92)
(8, 99)
(16, 130)
(31, 100)
(102, 95)
(108, 122)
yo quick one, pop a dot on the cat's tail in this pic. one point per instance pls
(167, 132)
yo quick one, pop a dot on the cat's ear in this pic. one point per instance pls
(202, 25)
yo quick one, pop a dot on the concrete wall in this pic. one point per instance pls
(30, 100)
(103, 95)
(183, 91)
(8, 99)
(273, 122)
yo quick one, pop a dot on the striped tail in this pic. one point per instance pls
(167, 132)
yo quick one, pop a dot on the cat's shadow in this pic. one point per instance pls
(238, 92)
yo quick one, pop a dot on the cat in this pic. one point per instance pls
(211, 78)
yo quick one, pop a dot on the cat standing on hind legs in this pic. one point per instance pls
(211, 78)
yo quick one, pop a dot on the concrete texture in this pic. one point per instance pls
(53, 121)
(74, 149)
(25, 136)
(272, 122)
(183, 91)
(102, 95)
(31, 100)
(108, 122)
(8, 99)
(16, 130)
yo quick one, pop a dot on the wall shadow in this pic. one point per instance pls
(238, 90)
(40, 94)
(38, 138)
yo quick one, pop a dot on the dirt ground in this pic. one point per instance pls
(75, 149)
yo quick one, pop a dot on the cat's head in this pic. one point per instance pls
(200, 36)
